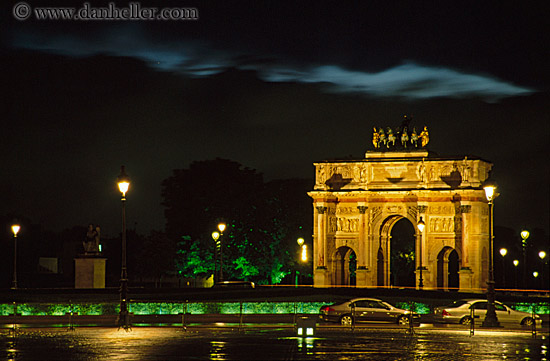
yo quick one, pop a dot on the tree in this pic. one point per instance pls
(262, 221)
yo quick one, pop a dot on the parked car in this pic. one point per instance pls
(365, 309)
(460, 312)
(234, 284)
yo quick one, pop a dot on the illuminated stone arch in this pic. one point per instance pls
(356, 204)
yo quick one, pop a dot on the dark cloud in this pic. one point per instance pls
(408, 80)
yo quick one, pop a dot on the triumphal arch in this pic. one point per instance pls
(357, 202)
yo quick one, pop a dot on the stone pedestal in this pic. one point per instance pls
(89, 272)
(465, 282)
(362, 276)
(320, 278)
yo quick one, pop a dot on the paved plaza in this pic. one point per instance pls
(270, 343)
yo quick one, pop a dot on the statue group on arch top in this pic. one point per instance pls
(400, 138)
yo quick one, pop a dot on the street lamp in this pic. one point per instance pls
(215, 237)
(123, 182)
(491, 319)
(524, 235)
(516, 262)
(15, 229)
(221, 227)
(503, 252)
(303, 256)
(304, 249)
(420, 227)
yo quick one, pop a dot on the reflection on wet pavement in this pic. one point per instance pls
(164, 343)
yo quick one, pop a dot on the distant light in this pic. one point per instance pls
(535, 274)
(15, 229)
(515, 262)
(542, 254)
(215, 236)
(300, 241)
(503, 252)
(524, 234)
(304, 253)
(221, 227)
(100, 248)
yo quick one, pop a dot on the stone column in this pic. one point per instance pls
(362, 269)
(321, 272)
(420, 249)
(321, 235)
(465, 273)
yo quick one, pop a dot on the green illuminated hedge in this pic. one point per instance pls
(175, 308)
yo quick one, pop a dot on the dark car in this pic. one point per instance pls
(365, 309)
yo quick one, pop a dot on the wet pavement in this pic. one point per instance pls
(270, 343)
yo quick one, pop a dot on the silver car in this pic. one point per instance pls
(461, 312)
(365, 309)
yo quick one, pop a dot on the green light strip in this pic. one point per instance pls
(175, 308)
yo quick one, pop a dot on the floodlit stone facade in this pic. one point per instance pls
(356, 204)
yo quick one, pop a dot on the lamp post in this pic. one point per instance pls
(215, 237)
(123, 182)
(303, 247)
(491, 319)
(542, 255)
(221, 227)
(303, 256)
(15, 229)
(524, 235)
(420, 227)
(503, 252)
(516, 262)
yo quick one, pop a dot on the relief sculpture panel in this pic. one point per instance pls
(442, 224)
(343, 224)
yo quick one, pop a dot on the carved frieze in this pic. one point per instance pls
(352, 172)
(343, 224)
(438, 209)
(347, 210)
(394, 209)
(442, 224)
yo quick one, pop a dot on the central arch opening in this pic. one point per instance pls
(346, 266)
(402, 254)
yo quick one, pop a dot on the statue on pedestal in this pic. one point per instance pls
(91, 243)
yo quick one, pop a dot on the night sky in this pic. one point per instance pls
(274, 85)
